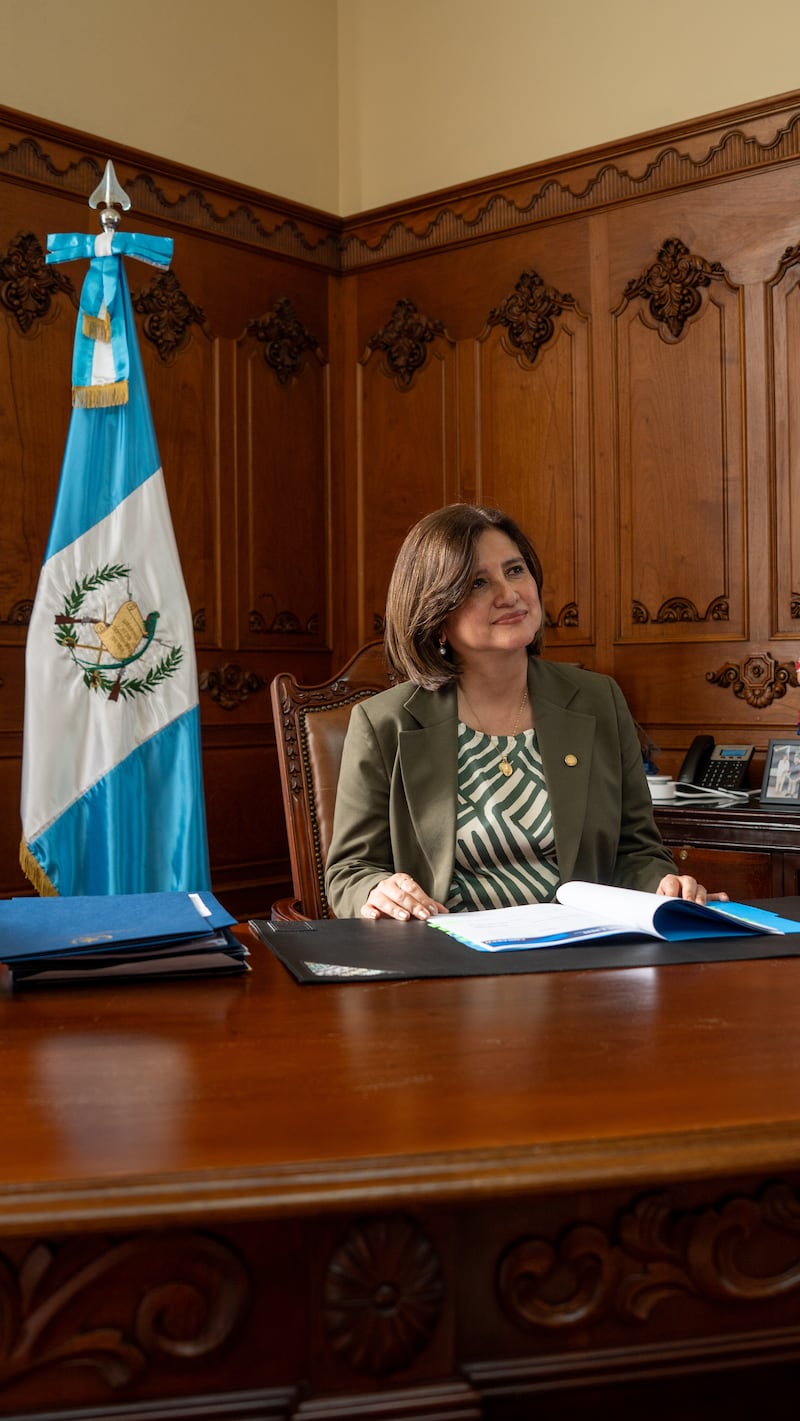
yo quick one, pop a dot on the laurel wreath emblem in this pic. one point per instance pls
(112, 680)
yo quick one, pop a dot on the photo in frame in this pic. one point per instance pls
(780, 787)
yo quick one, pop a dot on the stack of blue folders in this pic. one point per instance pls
(134, 935)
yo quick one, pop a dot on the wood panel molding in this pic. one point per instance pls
(739, 140)
(28, 286)
(682, 609)
(672, 285)
(284, 339)
(168, 315)
(404, 342)
(230, 685)
(71, 164)
(528, 315)
(680, 417)
(759, 680)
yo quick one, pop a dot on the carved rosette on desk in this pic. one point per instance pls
(383, 1294)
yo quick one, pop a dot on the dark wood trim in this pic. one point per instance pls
(723, 145)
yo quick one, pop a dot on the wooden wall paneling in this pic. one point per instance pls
(292, 497)
(246, 834)
(407, 454)
(734, 687)
(181, 366)
(38, 306)
(678, 339)
(783, 307)
(344, 581)
(282, 431)
(38, 309)
(534, 395)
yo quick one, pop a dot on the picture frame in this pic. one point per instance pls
(780, 787)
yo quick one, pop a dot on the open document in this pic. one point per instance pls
(584, 911)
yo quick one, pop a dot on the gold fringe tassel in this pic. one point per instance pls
(97, 327)
(35, 873)
(96, 397)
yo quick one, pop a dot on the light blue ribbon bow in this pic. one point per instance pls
(101, 315)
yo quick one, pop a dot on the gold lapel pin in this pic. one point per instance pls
(570, 760)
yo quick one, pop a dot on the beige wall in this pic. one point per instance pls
(350, 104)
(246, 89)
(434, 92)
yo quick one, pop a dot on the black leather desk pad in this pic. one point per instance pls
(342, 949)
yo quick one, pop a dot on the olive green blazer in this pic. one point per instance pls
(396, 799)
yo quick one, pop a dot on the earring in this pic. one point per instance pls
(442, 646)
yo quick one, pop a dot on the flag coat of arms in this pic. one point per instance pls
(112, 789)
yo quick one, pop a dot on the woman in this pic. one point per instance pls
(489, 776)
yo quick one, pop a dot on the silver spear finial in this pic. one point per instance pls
(109, 195)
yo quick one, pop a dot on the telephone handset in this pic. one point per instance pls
(715, 767)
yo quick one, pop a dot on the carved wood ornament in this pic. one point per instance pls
(383, 1294)
(283, 623)
(404, 341)
(230, 685)
(311, 699)
(285, 339)
(682, 609)
(528, 315)
(119, 1308)
(28, 285)
(168, 315)
(654, 1253)
(672, 285)
(546, 192)
(20, 614)
(567, 617)
(759, 681)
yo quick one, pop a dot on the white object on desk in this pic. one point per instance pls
(662, 788)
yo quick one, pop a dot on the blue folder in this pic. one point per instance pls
(35, 928)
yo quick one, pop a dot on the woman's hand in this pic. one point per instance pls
(400, 897)
(680, 885)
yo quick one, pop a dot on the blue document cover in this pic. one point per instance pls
(36, 928)
(586, 912)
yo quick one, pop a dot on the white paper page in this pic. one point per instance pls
(533, 925)
(634, 909)
(627, 907)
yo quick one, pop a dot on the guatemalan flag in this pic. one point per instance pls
(112, 790)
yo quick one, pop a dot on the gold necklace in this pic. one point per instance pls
(505, 766)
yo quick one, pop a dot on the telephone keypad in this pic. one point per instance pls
(723, 774)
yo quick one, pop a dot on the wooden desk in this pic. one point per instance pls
(568, 1194)
(745, 851)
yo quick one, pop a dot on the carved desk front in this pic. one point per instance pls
(483, 1197)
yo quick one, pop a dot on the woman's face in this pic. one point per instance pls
(502, 612)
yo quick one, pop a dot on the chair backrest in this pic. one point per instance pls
(310, 726)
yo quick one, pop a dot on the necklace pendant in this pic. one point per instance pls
(505, 768)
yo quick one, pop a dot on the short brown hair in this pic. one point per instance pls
(432, 576)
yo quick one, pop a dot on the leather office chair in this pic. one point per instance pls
(310, 726)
